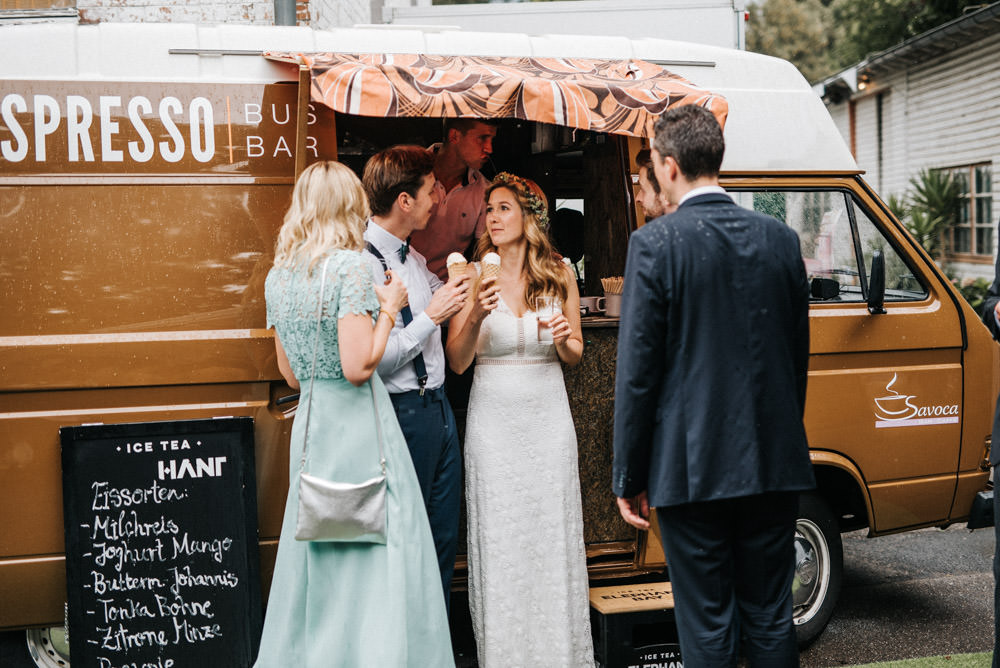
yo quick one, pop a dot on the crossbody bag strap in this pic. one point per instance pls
(407, 314)
(312, 378)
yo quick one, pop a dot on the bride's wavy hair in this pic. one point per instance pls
(329, 211)
(545, 275)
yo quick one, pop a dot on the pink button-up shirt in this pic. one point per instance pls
(459, 217)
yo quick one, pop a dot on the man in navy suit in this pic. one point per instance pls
(713, 352)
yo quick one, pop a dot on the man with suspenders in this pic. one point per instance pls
(399, 182)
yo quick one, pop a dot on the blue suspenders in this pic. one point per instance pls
(418, 361)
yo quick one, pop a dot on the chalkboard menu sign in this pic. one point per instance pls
(161, 544)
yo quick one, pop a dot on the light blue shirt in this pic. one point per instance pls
(421, 335)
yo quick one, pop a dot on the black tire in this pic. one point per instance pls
(819, 566)
(15, 652)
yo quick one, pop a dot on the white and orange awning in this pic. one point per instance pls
(614, 96)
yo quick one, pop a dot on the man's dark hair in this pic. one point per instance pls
(644, 158)
(463, 125)
(692, 136)
(395, 170)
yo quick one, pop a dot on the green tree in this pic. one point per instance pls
(800, 31)
(851, 30)
(930, 206)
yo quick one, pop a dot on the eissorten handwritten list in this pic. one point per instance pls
(161, 544)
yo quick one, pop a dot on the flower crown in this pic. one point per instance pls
(535, 204)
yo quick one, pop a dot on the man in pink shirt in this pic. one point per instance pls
(460, 216)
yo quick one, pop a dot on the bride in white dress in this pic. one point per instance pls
(528, 588)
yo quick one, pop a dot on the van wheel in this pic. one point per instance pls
(34, 648)
(819, 565)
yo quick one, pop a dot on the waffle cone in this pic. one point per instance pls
(490, 270)
(456, 269)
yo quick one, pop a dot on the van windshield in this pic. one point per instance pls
(838, 239)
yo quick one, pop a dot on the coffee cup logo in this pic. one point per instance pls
(903, 410)
(894, 406)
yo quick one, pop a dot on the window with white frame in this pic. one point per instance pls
(972, 234)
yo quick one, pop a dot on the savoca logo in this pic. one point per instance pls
(903, 410)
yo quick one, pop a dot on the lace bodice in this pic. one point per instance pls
(292, 295)
(504, 335)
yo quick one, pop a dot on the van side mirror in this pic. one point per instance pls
(876, 285)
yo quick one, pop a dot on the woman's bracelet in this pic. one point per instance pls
(392, 318)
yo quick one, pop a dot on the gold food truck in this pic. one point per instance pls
(145, 170)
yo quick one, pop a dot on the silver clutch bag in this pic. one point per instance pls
(339, 511)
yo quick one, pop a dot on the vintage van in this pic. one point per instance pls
(145, 169)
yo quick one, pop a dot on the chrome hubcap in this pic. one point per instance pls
(812, 571)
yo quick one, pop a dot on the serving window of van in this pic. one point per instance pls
(838, 239)
(582, 173)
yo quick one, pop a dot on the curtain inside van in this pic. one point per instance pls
(614, 96)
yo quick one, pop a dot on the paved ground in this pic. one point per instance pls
(916, 594)
(922, 593)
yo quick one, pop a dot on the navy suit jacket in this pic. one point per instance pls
(713, 353)
(988, 309)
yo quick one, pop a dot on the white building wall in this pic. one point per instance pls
(895, 173)
(865, 139)
(941, 113)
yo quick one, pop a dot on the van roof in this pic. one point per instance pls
(776, 122)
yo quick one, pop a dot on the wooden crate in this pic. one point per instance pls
(633, 626)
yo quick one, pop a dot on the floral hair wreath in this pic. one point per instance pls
(536, 206)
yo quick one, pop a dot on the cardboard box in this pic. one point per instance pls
(633, 626)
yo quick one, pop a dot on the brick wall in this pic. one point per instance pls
(327, 14)
(257, 12)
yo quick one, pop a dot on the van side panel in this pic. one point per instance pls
(139, 222)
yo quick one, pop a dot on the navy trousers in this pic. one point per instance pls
(428, 425)
(731, 566)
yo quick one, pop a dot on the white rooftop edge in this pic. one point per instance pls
(776, 121)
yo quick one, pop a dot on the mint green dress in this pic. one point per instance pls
(348, 604)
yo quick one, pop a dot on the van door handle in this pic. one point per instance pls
(287, 399)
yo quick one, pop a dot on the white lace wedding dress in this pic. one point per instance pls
(528, 589)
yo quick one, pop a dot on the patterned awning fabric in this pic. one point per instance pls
(620, 97)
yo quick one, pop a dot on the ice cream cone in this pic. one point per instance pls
(456, 269)
(491, 266)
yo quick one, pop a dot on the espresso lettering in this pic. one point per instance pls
(10, 104)
(168, 106)
(79, 116)
(109, 128)
(45, 105)
(136, 105)
(202, 130)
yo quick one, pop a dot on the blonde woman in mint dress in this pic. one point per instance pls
(345, 604)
